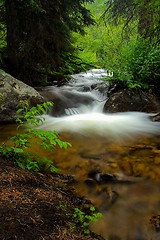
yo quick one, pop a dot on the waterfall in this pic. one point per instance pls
(85, 95)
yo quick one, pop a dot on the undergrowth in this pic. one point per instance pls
(84, 220)
(17, 148)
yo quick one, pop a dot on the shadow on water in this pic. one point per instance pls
(115, 158)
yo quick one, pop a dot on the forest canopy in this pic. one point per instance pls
(47, 39)
(37, 41)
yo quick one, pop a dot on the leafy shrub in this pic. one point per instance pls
(18, 149)
(141, 65)
(144, 64)
(84, 219)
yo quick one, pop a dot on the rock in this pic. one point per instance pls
(101, 178)
(115, 178)
(155, 118)
(11, 92)
(125, 100)
(108, 178)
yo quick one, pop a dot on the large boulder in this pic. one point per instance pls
(11, 92)
(125, 100)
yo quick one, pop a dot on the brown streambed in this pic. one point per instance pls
(129, 204)
(130, 208)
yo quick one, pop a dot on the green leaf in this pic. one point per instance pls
(21, 165)
(18, 150)
(53, 169)
(42, 161)
(92, 209)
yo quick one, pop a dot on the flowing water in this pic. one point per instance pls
(115, 158)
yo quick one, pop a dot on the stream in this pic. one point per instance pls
(115, 158)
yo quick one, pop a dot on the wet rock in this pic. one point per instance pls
(131, 100)
(65, 99)
(101, 87)
(106, 177)
(96, 175)
(155, 118)
(116, 178)
(102, 178)
(11, 92)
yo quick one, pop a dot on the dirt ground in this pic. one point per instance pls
(36, 206)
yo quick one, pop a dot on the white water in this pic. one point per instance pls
(106, 125)
(89, 119)
(128, 217)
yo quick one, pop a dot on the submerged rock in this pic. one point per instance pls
(11, 92)
(113, 178)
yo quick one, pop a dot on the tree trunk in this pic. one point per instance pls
(145, 20)
(12, 45)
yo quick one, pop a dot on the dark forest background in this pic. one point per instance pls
(44, 40)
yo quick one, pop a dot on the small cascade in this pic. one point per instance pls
(83, 99)
(114, 156)
(121, 178)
